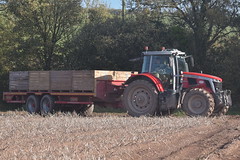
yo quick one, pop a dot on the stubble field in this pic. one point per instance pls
(68, 136)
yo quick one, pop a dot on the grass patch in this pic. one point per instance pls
(98, 109)
(179, 113)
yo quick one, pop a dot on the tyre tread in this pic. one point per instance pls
(209, 97)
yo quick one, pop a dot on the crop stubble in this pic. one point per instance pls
(68, 136)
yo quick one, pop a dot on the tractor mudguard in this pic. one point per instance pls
(147, 76)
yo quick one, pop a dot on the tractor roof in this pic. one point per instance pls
(164, 52)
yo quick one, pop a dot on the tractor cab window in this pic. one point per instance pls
(146, 64)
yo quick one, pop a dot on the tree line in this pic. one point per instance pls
(87, 34)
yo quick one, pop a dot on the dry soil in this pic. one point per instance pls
(67, 136)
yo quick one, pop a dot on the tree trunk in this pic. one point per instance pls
(123, 10)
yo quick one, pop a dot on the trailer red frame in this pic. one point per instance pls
(107, 93)
(62, 97)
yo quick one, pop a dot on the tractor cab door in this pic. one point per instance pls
(180, 65)
(160, 66)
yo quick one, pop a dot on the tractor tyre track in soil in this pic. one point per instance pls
(210, 143)
(204, 142)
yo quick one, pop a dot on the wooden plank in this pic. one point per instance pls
(39, 80)
(61, 80)
(18, 80)
(83, 80)
(122, 75)
(103, 75)
(112, 75)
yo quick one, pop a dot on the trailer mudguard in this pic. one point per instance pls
(156, 81)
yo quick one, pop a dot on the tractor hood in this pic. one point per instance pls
(201, 76)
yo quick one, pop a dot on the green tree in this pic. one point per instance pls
(208, 20)
(227, 63)
(43, 27)
(7, 39)
(108, 43)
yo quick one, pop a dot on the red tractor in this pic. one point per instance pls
(166, 84)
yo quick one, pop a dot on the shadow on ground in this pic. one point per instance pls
(4, 107)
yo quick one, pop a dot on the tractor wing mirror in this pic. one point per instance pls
(192, 61)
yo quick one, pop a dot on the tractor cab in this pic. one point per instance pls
(166, 65)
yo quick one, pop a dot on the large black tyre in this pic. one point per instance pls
(220, 111)
(32, 104)
(198, 102)
(140, 98)
(47, 105)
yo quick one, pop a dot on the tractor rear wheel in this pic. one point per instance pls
(198, 102)
(140, 98)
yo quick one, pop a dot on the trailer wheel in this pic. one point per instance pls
(47, 105)
(32, 104)
(87, 110)
(198, 102)
(140, 98)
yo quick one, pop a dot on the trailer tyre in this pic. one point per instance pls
(198, 102)
(47, 105)
(87, 110)
(32, 104)
(140, 98)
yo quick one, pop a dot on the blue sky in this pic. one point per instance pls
(114, 3)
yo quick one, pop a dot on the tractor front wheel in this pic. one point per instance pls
(198, 102)
(220, 111)
(140, 98)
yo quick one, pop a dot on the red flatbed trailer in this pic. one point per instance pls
(42, 90)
